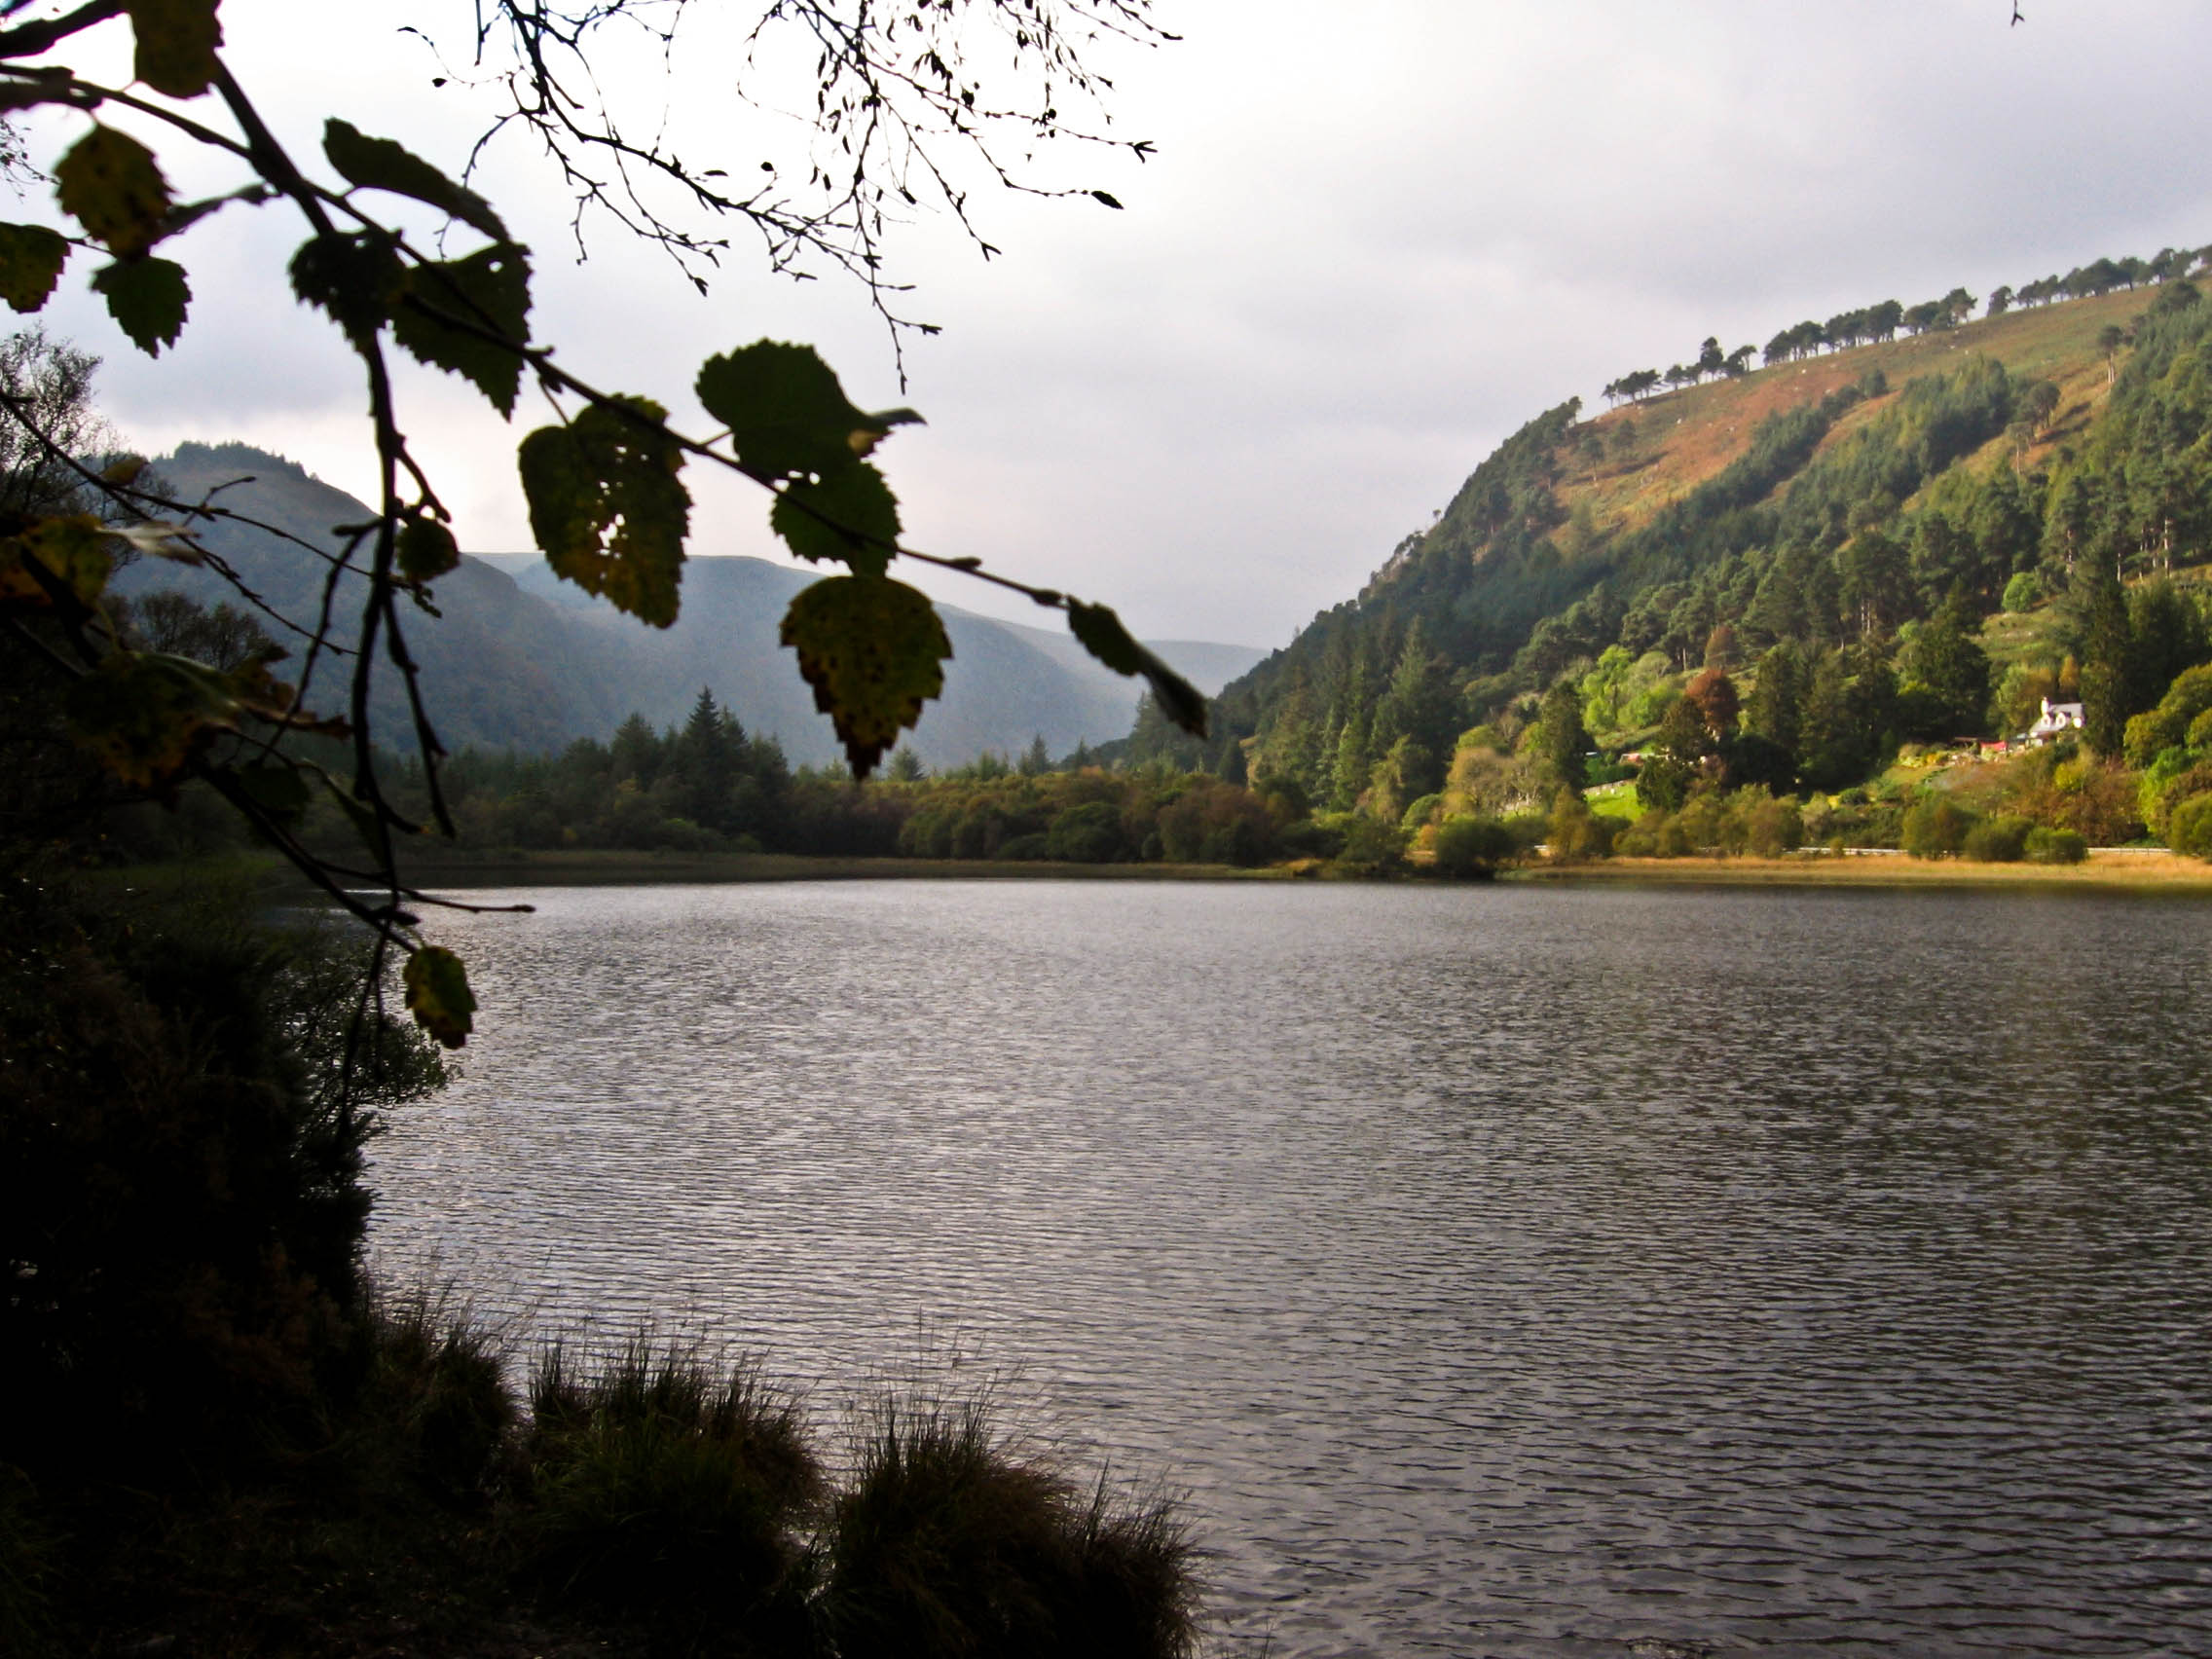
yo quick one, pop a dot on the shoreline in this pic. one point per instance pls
(2141, 869)
(596, 869)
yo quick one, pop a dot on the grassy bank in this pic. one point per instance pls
(2108, 868)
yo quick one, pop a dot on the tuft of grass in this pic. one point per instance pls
(435, 1397)
(945, 1542)
(666, 1484)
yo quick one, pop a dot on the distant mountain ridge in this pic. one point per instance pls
(518, 658)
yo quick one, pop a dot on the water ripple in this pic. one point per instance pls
(1502, 1272)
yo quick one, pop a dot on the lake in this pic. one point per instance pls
(1499, 1270)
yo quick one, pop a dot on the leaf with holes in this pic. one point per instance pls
(1105, 637)
(355, 280)
(70, 550)
(851, 514)
(787, 414)
(442, 306)
(426, 550)
(606, 507)
(438, 994)
(108, 183)
(383, 163)
(147, 297)
(176, 42)
(873, 650)
(31, 258)
(142, 714)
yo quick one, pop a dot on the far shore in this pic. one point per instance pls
(2146, 868)
(2107, 867)
(594, 868)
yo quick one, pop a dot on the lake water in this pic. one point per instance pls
(1500, 1270)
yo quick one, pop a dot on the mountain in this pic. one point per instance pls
(1833, 503)
(517, 658)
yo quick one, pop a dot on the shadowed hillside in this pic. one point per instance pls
(517, 658)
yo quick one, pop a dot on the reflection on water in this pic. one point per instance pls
(1502, 1271)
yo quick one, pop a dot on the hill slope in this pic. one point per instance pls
(1829, 505)
(519, 659)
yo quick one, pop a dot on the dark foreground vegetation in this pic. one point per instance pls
(215, 1437)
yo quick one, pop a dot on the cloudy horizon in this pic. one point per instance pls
(1369, 247)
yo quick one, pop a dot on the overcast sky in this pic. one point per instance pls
(1374, 239)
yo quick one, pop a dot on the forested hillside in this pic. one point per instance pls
(1782, 577)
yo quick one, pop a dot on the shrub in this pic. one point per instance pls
(1472, 848)
(1654, 835)
(2188, 828)
(179, 1173)
(1936, 828)
(1090, 833)
(662, 1482)
(1997, 840)
(1372, 847)
(1774, 827)
(946, 1543)
(1575, 831)
(2055, 846)
(1022, 849)
(2022, 593)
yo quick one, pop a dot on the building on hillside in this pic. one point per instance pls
(2054, 723)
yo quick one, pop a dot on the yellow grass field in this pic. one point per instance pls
(2107, 868)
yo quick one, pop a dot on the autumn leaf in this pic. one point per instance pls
(72, 550)
(110, 184)
(788, 417)
(874, 651)
(426, 550)
(31, 258)
(147, 298)
(176, 42)
(850, 514)
(1104, 636)
(438, 994)
(606, 507)
(490, 289)
(383, 164)
(142, 714)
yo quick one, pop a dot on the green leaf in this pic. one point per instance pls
(438, 994)
(1104, 637)
(851, 514)
(490, 288)
(872, 649)
(142, 714)
(147, 297)
(109, 184)
(787, 414)
(383, 163)
(177, 45)
(31, 258)
(276, 788)
(71, 548)
(426, 550)
(356, 279)
(606, 507)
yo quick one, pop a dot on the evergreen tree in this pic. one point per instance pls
(2106, 661)
(1561, 738)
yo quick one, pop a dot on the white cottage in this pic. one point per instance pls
(2056, 720)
